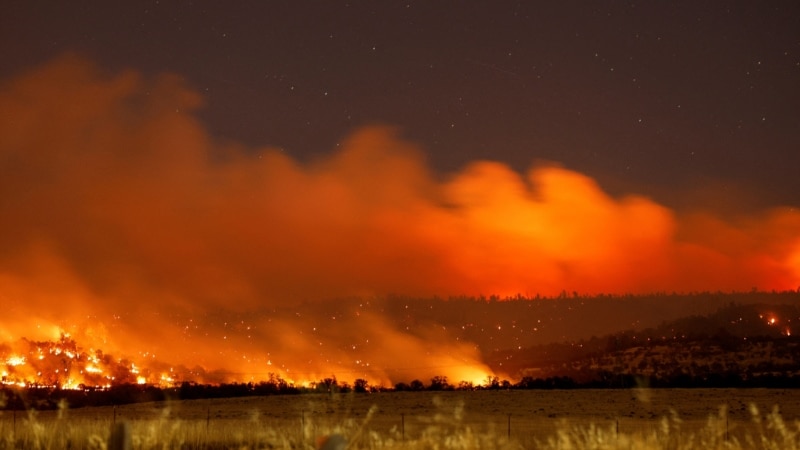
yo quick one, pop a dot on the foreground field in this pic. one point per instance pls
(581, 419)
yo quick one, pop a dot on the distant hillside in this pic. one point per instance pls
(495, 324)
(736, 344)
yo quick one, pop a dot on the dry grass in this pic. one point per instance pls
(580, 419)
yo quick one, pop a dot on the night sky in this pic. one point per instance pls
(692, 104)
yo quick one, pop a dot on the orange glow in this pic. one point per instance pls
(122, 213)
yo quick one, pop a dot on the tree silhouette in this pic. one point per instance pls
(439, 383)
(361, 385)
(416, 385)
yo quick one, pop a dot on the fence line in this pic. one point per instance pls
(518, 426)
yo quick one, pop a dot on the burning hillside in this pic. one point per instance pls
(128, 228)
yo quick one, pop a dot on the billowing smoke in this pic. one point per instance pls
(127, 226)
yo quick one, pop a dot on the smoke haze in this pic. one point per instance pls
(121, 213)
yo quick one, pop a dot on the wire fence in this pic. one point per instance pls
(199, 425)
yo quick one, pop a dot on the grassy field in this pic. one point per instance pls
(572, 419)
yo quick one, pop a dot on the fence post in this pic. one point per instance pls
(509, 425)
(403, 426)
(120, 437)
(726, 428)
(208, 417)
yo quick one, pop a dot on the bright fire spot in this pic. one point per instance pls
(15, 360)
(772, 321)
(141, 380)
(93, 369)
(476, 376)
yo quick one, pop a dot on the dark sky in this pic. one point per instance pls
(657, 98)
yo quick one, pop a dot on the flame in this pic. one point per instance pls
(127, 228)
(59, 363)
(15, 360)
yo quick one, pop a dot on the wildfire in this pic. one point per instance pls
(59, 364)
(185, 228)
(64, 364)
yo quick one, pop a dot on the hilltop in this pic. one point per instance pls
(737, 345)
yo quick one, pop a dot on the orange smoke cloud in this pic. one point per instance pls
(116, 201)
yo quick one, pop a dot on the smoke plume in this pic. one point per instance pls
(128, 226)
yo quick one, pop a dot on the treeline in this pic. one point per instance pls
(14, 398)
